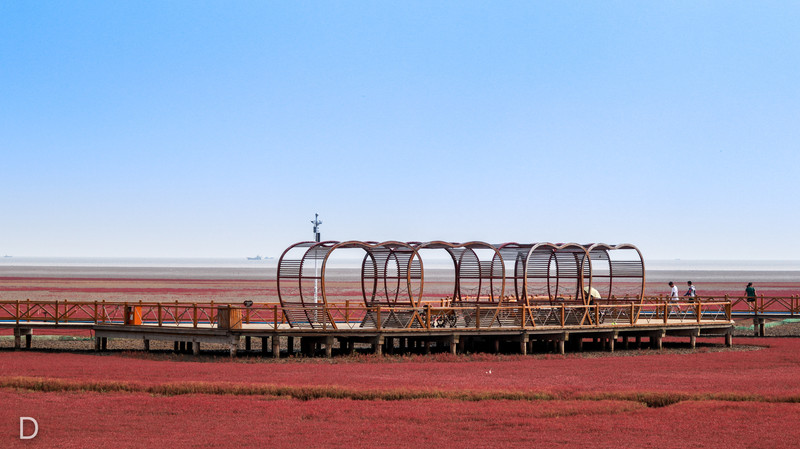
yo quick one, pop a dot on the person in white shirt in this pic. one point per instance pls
(673, 294)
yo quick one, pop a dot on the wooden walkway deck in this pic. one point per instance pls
(337, 329)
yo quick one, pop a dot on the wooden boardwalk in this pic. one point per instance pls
(338, 329)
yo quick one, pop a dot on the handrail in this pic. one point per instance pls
(346, 315)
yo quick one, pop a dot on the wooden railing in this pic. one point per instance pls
(353, 315)
(774, 305)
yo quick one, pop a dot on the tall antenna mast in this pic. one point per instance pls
(316, 222)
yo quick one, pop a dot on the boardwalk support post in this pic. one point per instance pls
(276, 347)
(455, 341)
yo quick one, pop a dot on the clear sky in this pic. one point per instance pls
(218, 129)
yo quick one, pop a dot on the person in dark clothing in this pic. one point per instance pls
(750, 292)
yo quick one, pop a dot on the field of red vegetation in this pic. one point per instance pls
(133, 290)
(140, 420)
(703, 399)
(745, 397)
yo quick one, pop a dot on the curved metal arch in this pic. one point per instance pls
(472, 268)
(481, 277)
(571, 261)
(619, 270)
(392, 261)
(449, 248)
(296, 299)
(516, 253)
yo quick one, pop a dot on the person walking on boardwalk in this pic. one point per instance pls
(691, 293)
(673, 293)
(673, 297)
(750, 292)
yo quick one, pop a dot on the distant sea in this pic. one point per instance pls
(186, 262)
(242, 268)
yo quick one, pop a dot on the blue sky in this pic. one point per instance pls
(218, 129)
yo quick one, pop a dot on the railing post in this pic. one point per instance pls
(56, 312)
(632, 316)
(347, 312)
(17, 313)
(275, 317)
(523, 317)
(194, 314)
(698, 311)
(666, 312)
(158, 315)
(324, 316)
(378, 318)
(477, 316)
(563, 313)
(597, 315)
(427, 316)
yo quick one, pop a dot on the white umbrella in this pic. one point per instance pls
(592, 292)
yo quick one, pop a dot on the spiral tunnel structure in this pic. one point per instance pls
(392, 273)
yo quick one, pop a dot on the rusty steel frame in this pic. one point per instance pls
(392, 274)
(396, 265)
(477, 280)
(618, 270)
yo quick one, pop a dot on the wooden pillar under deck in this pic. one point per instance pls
(196, 348)
(146, 345)
(692, 341)
(234, 346)
(18, 333)
(656, 342)
(276, 347)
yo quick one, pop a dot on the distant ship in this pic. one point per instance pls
(254, 258)
(7, 256)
